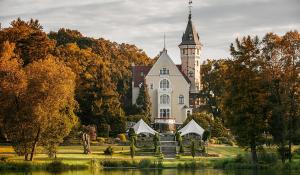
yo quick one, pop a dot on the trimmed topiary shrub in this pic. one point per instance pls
(109, 151)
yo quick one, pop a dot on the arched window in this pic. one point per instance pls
(181, 99)
(164, 71)
(164, 99)
(164, 84)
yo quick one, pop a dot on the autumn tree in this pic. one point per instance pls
(13, 84)
(32, 43)
(118, 56)
(246, 95)
(96, 92)
(213, 86)
(47, 108)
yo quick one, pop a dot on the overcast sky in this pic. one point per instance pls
(144, 22)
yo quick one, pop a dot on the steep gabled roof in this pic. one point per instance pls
(190, 36)
(140, 72)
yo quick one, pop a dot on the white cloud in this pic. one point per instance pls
(143, 22)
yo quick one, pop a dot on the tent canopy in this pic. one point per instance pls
(191, 127)
(142, 127)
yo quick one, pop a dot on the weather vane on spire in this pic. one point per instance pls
(190, 8)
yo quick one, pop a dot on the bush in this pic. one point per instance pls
(291, 166)
(122, 137)
(109, 151)
(206, 135)
(101, 140)
(240, 159)
(193, 165)
(55, 166)
(145, 163)
(3, 159)
(119, 164)
(268, 158)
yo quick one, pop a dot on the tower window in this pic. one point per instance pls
(164, 99)
(164, 71)
(181, 99)
(191, 36)
(164, 84)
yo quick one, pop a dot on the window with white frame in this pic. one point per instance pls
(164, 99)
(164, 84)
(181, 99)
(164, 113)
(164, 71)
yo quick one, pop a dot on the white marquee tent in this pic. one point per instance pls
(191, 127)
(142, 127)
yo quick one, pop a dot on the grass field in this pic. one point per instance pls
(74, 155)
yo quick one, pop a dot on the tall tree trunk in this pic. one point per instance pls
(253, 151)
(291, 120)
(34, 144)
(26, 156)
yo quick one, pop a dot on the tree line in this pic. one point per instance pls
(51, 82)
(256, 92)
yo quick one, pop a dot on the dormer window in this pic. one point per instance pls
(164, 71)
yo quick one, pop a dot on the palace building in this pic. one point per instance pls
(172, 87)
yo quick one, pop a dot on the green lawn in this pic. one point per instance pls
(73, 154)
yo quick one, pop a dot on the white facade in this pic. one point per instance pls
(168, 91)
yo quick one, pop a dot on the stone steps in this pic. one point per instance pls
(168, 145)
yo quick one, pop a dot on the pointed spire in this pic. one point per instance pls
(164, 41)
(190, 36)
(164, 50)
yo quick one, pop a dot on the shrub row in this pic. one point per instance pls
(55, 166)
(191, 165)
(143, 164)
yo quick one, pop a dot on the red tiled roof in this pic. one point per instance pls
(139, 73)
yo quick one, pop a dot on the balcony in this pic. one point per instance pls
(169, 120)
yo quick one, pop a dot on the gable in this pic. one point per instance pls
(164, 61)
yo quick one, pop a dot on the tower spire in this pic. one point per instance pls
(190, 9)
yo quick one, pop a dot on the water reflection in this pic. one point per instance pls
(160, 172)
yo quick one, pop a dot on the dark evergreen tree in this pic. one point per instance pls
(143, 102)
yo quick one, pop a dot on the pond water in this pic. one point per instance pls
(161, 172)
